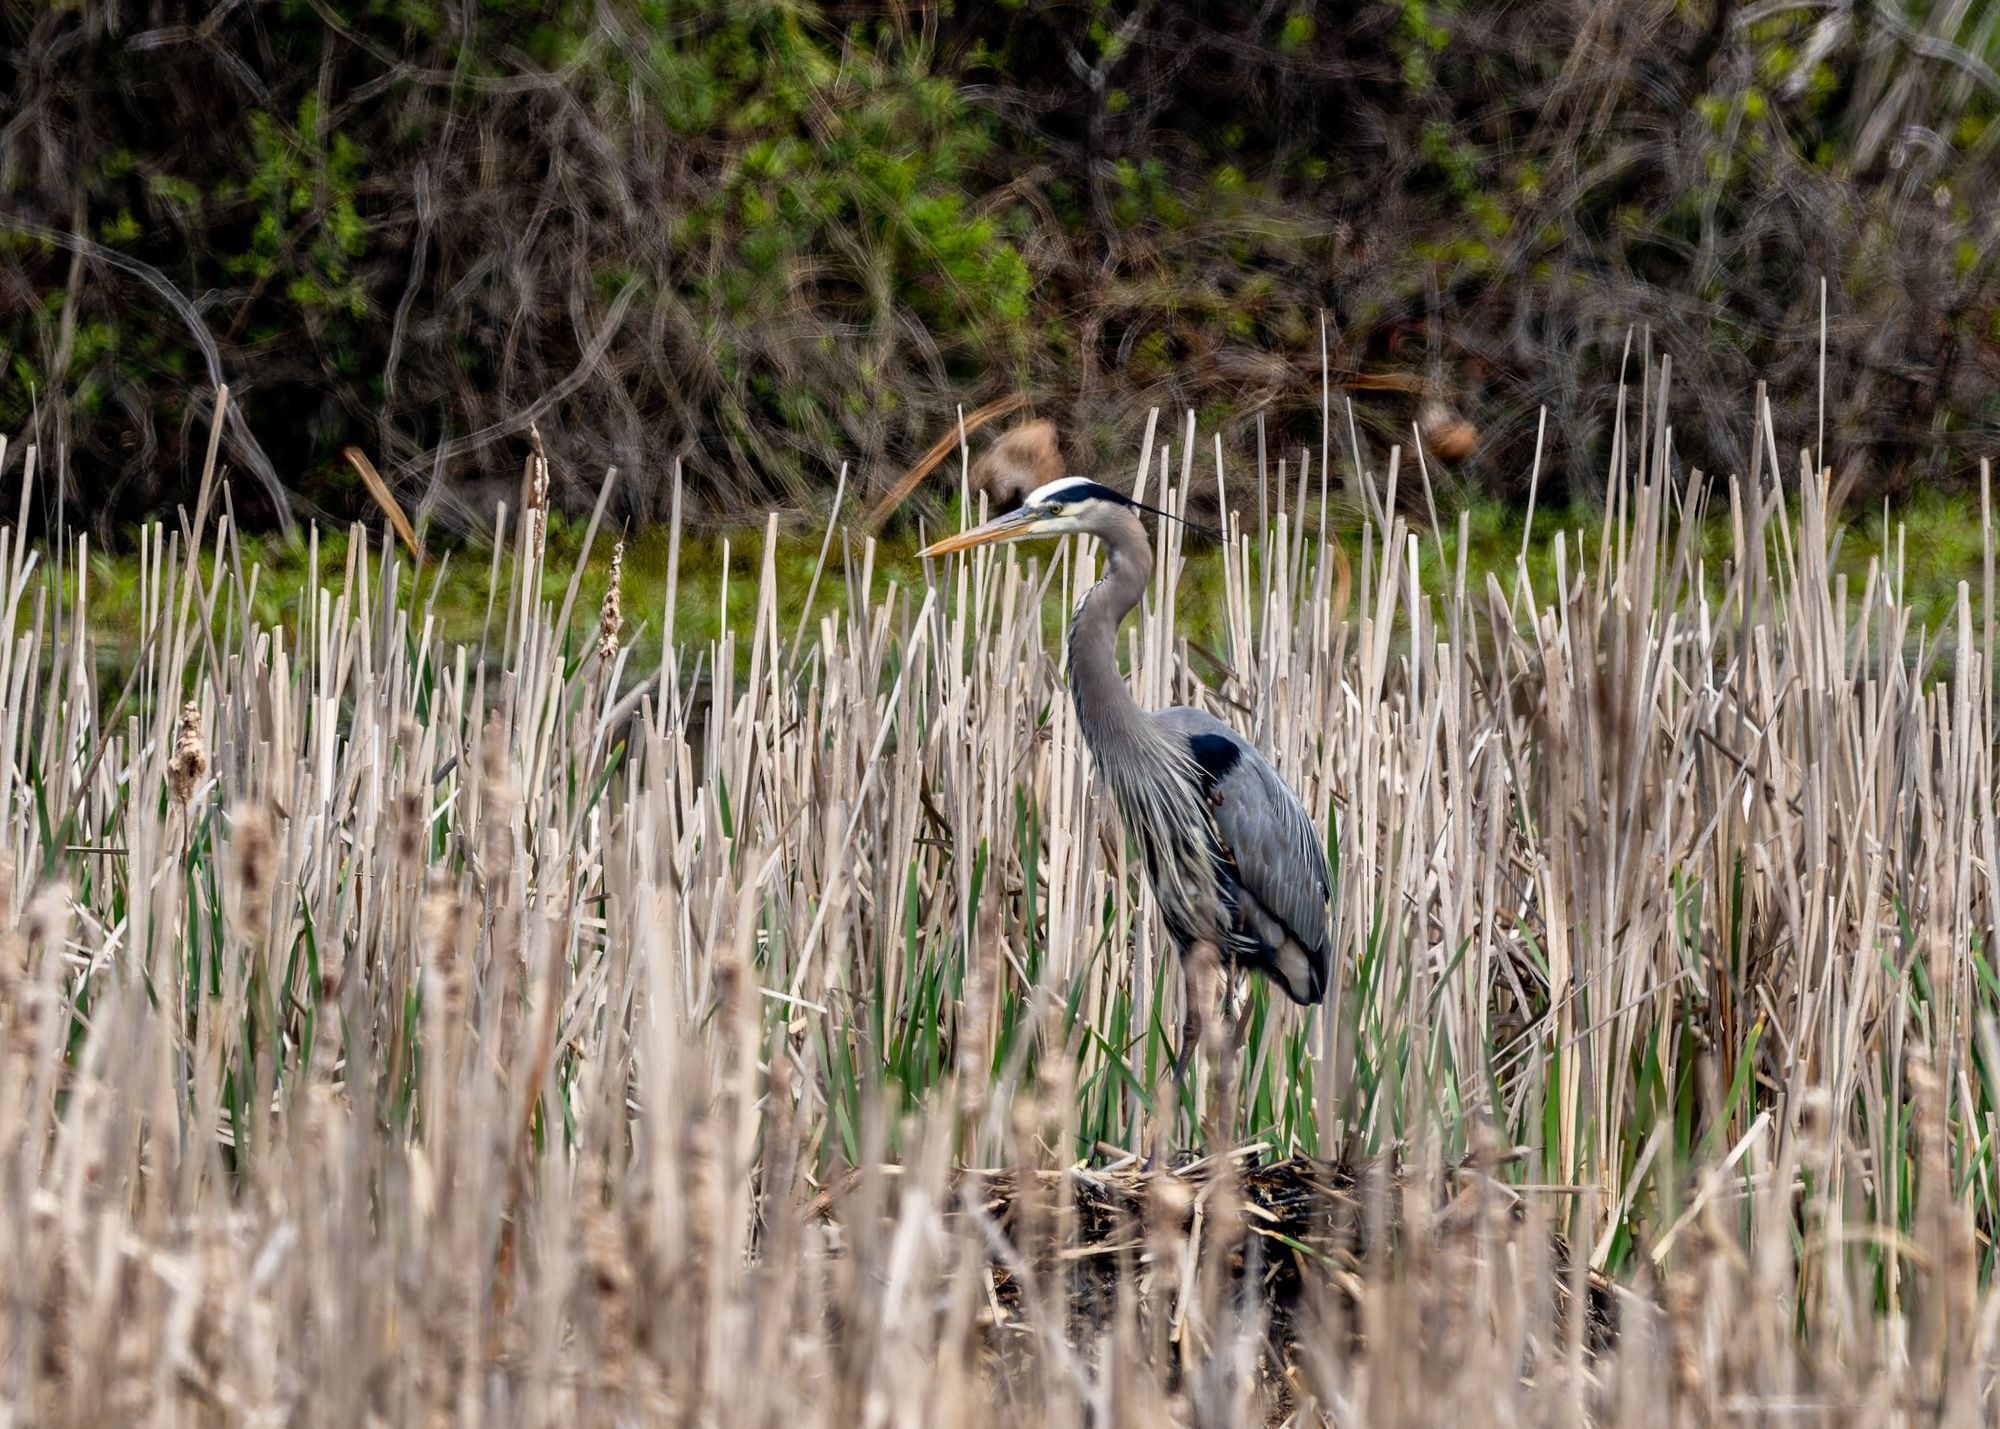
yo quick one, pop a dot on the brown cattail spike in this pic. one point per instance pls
(12, 952)
(189, 760)
(537, 513)
(611, 616)
(252, 866)
(30, 958)
(439, 924)
(500, 797)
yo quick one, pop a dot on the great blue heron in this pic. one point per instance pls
(1232, 855)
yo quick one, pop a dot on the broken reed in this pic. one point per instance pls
(438, 1033)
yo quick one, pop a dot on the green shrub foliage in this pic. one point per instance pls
(762, 238)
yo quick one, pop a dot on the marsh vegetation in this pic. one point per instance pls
(405, 1030)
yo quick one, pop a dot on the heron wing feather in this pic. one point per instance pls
(1278, 855)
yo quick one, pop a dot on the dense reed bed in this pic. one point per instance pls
(399, 1033)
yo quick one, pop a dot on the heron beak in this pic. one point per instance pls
(1011, 527)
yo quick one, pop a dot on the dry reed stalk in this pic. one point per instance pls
(379, 492)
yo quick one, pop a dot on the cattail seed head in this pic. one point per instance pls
(1687, 1359)
(411, 819)
(493, 752)
(499, 800)
(702, 1168)
(439, 923)
(609, 1283)
(611, 616)
(50, 918)
(1816, 1128)
(43, 926)
(538, 491)
(252, 860)
(27, 1001)
(190, 759)
(13, 948)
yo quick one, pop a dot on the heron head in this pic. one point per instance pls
(1057, 508)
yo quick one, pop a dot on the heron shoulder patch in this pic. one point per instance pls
(1215, 755)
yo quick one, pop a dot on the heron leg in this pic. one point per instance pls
(1167, 1117)
(1234, 1014)
(1184, 1058)
(1239, 999)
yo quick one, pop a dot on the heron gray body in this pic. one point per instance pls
(1232, 855)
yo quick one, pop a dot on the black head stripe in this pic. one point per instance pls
(1082, 488)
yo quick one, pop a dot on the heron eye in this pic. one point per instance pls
(1055, 508)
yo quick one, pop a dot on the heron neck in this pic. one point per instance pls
(1104, 704)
